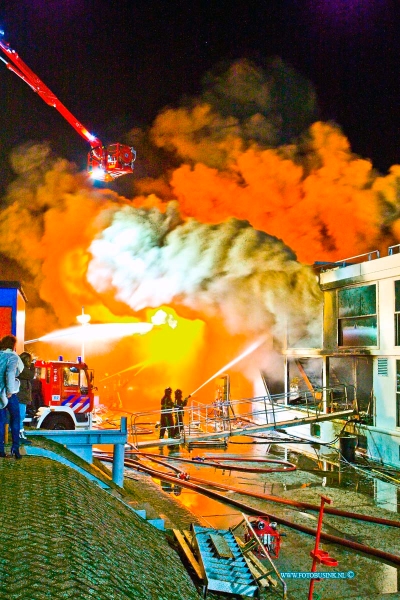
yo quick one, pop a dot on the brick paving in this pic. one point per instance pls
(62, 536)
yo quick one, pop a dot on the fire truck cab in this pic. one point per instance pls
(67, 395)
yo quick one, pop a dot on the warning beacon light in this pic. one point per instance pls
(105, 163)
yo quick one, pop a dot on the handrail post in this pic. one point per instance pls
(266, 410)
(273, 410)
(134, 431)
(119, 456)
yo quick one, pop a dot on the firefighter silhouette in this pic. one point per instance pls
(167, 419)
(179, 405)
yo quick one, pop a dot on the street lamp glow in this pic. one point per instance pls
(83, 319)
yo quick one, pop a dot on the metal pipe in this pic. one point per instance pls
(285, 465)
(307, 505)
(278, 499)
(393, 559)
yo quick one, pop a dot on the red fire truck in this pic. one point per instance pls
(67, 392)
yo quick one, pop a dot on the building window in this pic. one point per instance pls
(397, 313)
(362, 442)
(357, 322)
(398, 393)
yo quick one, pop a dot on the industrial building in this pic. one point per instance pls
(360, 349)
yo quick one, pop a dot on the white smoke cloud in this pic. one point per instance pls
(248, 277)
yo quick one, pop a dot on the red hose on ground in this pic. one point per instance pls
(393, 559)
(297, 504)
(277, 499)
(218, 463)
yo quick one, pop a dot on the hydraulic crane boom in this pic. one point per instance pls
(104, 163)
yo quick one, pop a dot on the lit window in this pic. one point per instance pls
(357, 323)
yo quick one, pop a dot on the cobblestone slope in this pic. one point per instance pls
(61, 536)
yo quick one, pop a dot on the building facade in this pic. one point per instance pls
(360, 350)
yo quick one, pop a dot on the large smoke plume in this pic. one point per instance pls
(249, 181)
(246, 277)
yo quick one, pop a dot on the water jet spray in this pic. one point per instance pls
(96, 332)
(233, 362)
(140, 366)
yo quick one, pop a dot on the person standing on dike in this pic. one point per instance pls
(25, 390)
(10, 367)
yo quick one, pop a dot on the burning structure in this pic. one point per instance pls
(238, 190)
(360, 349)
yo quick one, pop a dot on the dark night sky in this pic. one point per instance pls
(115, 64)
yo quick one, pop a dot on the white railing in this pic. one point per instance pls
(346, 262)
(394, 249)
(225, 417)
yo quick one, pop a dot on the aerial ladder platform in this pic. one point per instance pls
(105, 162)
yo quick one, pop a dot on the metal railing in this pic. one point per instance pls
(321, 266)
(346, 262)
(394, 249)
(226, 417)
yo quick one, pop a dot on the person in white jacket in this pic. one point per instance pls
(10, 367)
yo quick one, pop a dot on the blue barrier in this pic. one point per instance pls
(81, 443)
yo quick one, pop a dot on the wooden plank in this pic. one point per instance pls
(188, 535)
(246, 547)
(188, 553)
(263, 571)
(221, 546)
(304, 376)
(261, 579)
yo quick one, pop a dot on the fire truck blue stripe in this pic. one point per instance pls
(79, 399)
(67, 400)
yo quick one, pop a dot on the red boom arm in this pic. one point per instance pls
(104, 163)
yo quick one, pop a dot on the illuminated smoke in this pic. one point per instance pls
(316, 196)
(248, 151)
(51, 215)
(249, 178)
(241, 104)
(247, 277)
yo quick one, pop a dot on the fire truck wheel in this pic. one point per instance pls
(58, 422)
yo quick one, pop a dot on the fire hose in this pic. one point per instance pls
(284, 466)
(277, 499)
(393, 559)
